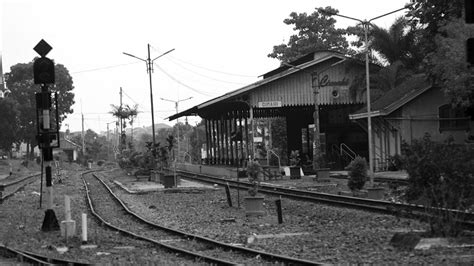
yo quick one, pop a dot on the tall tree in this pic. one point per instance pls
(20, 82)
(9, 119)
(443, 42)
(314, 32)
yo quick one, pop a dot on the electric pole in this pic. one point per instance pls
(149, 64)
(177, 120)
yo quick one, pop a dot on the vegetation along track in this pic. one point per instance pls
(379, 206)
(108, 208)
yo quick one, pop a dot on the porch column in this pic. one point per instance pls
(246, 134)
(235, 141)
(214, 150)
(226, 134)
(241, 162)
(206, 125)
(231, 147)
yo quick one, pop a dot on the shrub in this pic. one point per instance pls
(395, 163)
(357, 173)
(295, 158)
(441, 176)
(253, 171)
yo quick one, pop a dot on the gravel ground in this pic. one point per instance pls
(21, 221)
(327, 234)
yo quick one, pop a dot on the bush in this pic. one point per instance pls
(395, 163)
(441, 176)
(357, 173)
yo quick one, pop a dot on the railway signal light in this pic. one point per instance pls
(43, 71)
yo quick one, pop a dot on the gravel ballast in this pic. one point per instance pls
(310, 231)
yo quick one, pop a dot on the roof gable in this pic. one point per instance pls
(397, 97)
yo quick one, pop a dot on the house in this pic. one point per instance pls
(408, 112)
(68, 148)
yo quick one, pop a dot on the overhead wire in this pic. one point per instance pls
(181, 83)
(205, 68)
(102, 68)
(205, 76)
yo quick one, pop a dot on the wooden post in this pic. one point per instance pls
(229, 198)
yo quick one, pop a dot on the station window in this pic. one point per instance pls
(452, 119)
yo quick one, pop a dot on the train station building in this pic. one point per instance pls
(242, 123)
(273, 117)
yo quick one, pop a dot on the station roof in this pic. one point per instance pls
(395, 98)
(300, 64)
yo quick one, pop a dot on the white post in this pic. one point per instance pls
(84, 228)
(68, 226)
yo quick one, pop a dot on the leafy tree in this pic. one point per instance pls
(9, 119)
(20, 82)
(314, 32)
(95, 146)
(443, 42)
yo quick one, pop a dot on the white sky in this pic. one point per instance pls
(220, 46)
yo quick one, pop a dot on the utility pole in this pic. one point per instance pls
(366, 23)
(149, 64)
(177, 120)
(121, 122)
(108, 140)
(82, 133)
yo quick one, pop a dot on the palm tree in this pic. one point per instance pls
(399, 43)
(397, 49)
(124, 113)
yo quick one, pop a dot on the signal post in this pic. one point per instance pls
(47, 125)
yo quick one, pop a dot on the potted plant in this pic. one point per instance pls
(357, 174)
(254, 202)
(295, 160)
(169, 179)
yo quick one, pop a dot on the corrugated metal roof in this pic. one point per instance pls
(291, 86)
(396, 98)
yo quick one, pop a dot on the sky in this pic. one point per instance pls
(219, 46)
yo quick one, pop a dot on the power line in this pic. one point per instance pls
(182, 84)
(205, 76)
(102, 68)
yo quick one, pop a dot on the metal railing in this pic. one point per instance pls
(186, 154)
(276, 155)
(345, 150)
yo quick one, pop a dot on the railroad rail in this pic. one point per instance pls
(379, 206)
(11, 187)
(399, 181)
(191, 245)
(10, 256)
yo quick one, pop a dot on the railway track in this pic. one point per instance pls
(379, 206)
(112, 212)
(13, 256)
(392, 180)
(9, 188)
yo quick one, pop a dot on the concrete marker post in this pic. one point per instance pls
(68, 226)
(84, 228)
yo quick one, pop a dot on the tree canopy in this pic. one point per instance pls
(9, 119)
(20, 82)
(444, 44)
(316, 31)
